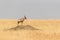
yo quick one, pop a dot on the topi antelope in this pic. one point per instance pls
(21, 20)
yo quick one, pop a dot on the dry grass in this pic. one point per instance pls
(49, 30)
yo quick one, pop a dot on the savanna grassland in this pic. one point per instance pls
(48, 30)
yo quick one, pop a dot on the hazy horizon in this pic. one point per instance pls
(36, 9)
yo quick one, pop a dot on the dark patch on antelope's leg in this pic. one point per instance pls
(18, 23)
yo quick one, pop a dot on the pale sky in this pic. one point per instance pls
(36, 9)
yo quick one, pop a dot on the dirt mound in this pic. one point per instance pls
(23, 27)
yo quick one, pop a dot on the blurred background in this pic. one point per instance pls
(34, 9)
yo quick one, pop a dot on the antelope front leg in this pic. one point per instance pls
(18, 23)
(21, 23)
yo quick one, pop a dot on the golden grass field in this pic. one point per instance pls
(49, 30)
